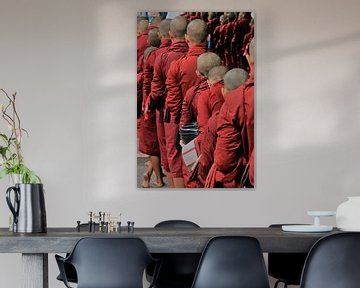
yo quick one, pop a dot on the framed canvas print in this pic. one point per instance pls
(195, 99)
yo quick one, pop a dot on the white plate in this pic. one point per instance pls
(306, 228)
(321, 213)
(350, 229)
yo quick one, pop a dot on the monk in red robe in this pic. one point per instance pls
(232, 80)
(205, 62)
(228, 35)
(219, 37)
(180, 77)
(241, 28)
(148, 143)
(142, 38)
(232, 146)
(176, 50)
(210, 102)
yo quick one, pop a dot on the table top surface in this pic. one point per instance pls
(158, 240)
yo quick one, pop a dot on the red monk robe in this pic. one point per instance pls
(148, 142)
(181, 76)
(228, 34)
(208, 104)
(142, 43)
(241, 28)
(158, 91)
(207, 148)
(189, 111)
(232, 147)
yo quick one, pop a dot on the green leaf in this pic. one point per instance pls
(4, 173)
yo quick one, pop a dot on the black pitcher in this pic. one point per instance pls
(28, 207)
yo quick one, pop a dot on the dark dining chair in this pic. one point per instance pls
(178, 269)
(286, 267)
(333, 262)
(232, 262)
(69, 269)
(108, 263)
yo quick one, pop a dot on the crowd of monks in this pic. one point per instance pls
(196, 68)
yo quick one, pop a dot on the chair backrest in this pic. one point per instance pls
(232, 262)
(178, 269)
(333, 262)
(176, 224)
(287, 267)
(110, 262)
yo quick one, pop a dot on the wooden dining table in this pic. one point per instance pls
(35, 247)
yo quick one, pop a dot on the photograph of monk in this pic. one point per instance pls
(195, 99)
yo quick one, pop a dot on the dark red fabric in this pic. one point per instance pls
(158, 91)
(241, 28)
(229, 156)
(148, 141)
(208, 104)
(251, 169)
(180, 77)
(172, 147)
(161, 67)
(235, 134)
(149, 65)
(207, 148)
(189, 111)
(219, 35)
(162, 142)
(229, 29)
(249, 110)
(142, 44)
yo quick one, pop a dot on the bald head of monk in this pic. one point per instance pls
(178, 28)
(164, 29)
(207, 61)
(153, 37)
(233, 79)
(142, 26)
(196, 32)
(216, 74)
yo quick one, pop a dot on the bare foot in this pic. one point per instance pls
(146, 181)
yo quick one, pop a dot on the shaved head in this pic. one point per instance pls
(235, 78)
(153, 37)
(178, 27)
(207, 61)
(143, 25)
(164, 28)
(217, 73)
(197, 31)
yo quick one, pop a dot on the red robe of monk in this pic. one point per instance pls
(241, 28)
(181, 76)
(142, 43)
(189, 111)
(229, 28)
(235, 135)
(158, 91)
(208, 103)
(219, 44)
(207, 148)
(148, 142)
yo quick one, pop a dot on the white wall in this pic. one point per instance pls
(73, 66)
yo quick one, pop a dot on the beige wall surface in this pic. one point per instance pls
(73, 66)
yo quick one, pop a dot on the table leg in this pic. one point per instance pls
(35, 270)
